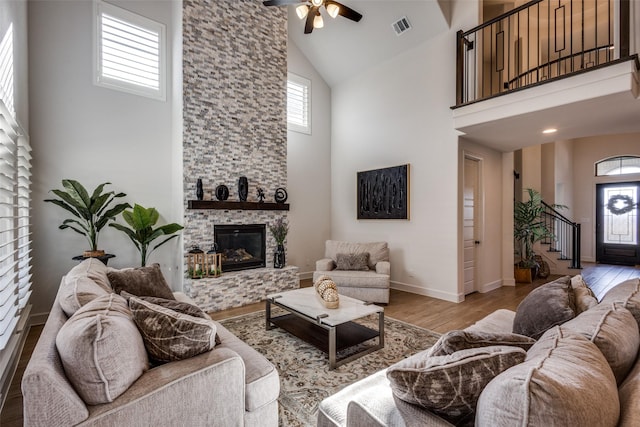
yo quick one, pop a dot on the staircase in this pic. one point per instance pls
(562, 251)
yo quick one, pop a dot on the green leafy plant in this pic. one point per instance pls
(529, 226)
(142, 220)
(279, 230)
(92, 211)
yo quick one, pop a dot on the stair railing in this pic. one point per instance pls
(566, 236)
(538, 42)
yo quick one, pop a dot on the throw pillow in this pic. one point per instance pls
(359, 262)
(101, 350)
(78, 291)
(565, 381)
(454, 341)
(172, 304)
(613, 329)
(628, 294)
(169, 335)
(141, 281)
(545, 307)
(450, 385)
(94, 269)
(585, 299)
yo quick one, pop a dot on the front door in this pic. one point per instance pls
(618, 223)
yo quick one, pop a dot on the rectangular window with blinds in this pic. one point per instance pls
(130, 52)
(15, 233)
(298, 104)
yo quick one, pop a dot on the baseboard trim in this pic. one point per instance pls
(491, 286)
(447, 296)
(306, 275)
(509, 282)
(38, 318)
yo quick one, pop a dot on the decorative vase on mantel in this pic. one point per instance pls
(199, 189)
(243, 188)
(279, 259)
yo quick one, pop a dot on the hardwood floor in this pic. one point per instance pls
(430, 313)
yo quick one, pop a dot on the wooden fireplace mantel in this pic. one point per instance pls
(247, 206)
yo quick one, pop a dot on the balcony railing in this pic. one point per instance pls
(538, 42)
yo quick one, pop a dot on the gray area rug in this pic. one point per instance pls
(305, 378)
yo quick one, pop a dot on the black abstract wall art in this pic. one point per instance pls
(384, 193)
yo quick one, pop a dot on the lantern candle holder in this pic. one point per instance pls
(196, 263)
(214, 262)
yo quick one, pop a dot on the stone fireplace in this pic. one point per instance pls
(242, 246)
(234, 111)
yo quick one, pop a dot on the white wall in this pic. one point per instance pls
(309, 172)
(564, 177)
(94, 135)
(586, 152)
(392, 114)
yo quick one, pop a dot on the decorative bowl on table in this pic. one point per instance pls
(327, 292)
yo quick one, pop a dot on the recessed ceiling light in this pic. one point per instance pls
(550, 130)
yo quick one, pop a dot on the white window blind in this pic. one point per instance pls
(15, 233)
(299, 104)
(130, 52)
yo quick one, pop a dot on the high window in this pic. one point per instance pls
(298, 104)
(130, 52)
(621, 165)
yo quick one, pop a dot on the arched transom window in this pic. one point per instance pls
(621, 165)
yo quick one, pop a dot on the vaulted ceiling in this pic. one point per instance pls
(344, 48)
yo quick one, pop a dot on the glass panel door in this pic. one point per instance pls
(617, 223)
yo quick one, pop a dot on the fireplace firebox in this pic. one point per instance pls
(242, 246)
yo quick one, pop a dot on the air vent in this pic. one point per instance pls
(401, 26)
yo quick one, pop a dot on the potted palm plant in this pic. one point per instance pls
(142, 232)
(91, 212)
(529, 228)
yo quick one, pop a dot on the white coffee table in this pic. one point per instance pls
(330, 330)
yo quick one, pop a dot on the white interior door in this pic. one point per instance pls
(470, 196)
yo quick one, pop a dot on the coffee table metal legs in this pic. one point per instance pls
(331, 337)
(333, 363)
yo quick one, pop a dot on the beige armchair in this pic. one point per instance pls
(370, 284)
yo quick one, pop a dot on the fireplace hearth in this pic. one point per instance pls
(242, 246)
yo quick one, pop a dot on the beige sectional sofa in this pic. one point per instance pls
(368, 282)
(584, 371)
(231, 385)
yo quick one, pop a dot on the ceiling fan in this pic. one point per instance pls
(310, 9)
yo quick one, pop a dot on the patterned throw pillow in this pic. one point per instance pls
(454, 341)
(169, 335)
(549, 305)
(179, 306)
(141, 281)
(451, 385)
(357, 262)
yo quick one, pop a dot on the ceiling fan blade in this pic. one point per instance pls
(345, 11)
(281, 2)
(310, 17)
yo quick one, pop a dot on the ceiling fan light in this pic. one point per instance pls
(317, 3)
(333, 10)
(318, 22)
(302, 11)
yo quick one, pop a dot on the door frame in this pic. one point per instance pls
(599, 229)
(478, 220)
